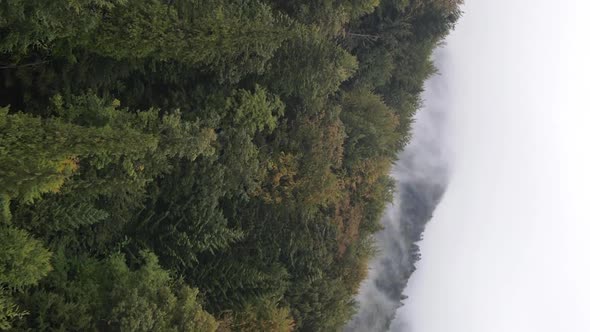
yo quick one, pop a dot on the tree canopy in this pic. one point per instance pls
(201, 165)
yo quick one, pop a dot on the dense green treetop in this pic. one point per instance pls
(201, 165)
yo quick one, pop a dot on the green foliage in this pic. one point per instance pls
(23, 260)
(375, 69)
(330, 15)
(38, 155)
(49, 26)
(370, 127)
(263, 315)
(244, 143)
(5, 214)
(229, 38)
(58, 215)
(321, 305)
(310, 66)
(9, 311)
(89, 294)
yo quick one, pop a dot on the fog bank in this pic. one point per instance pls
(507, 248)
(421, 177)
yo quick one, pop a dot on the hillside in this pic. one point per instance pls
(199, 165)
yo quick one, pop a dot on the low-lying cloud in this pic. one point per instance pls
(421, 176)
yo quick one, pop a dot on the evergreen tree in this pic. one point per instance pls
(248, 148)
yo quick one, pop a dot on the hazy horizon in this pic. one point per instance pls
(506, 248)
(421, 175)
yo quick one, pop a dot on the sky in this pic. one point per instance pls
(508, 248)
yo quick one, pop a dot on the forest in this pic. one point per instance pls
(201, 165)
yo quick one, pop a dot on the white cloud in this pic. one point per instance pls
(508, 248)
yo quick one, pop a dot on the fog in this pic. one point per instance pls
(506, 126)
(421, 175)
(507, 248)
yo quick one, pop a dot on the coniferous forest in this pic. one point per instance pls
(201, 165)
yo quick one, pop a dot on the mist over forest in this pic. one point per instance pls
(200, 165)
(421, 176)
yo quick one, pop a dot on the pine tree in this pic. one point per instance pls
(231, 39)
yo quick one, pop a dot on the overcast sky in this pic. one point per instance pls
(508, 249)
